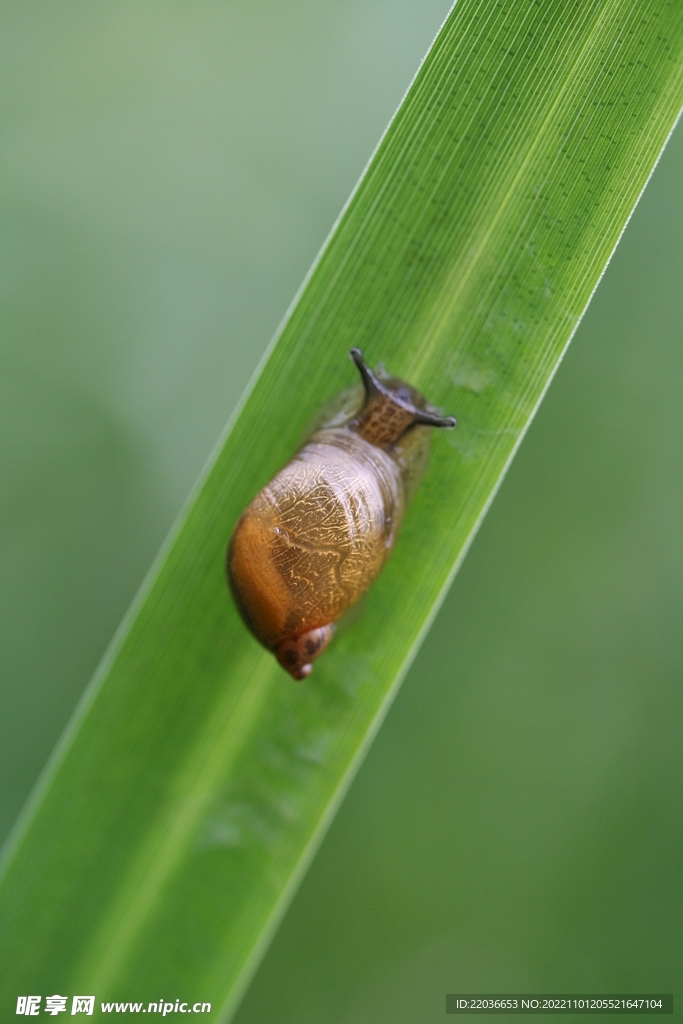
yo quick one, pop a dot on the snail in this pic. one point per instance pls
(316, 537)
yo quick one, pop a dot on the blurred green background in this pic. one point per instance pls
(167, 174)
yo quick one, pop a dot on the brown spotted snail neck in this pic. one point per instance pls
(390, 409)
(315, 538)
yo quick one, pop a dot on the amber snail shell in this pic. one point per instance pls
(316, 537)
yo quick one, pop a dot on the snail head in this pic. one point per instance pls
(391, 408)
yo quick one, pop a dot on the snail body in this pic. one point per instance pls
(316, 537)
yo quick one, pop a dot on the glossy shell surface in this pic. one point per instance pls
(313, 540)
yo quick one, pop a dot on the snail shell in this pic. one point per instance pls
(315, 538)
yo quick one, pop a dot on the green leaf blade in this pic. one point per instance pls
(172, 830)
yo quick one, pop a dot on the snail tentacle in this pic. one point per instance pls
(391, 408)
